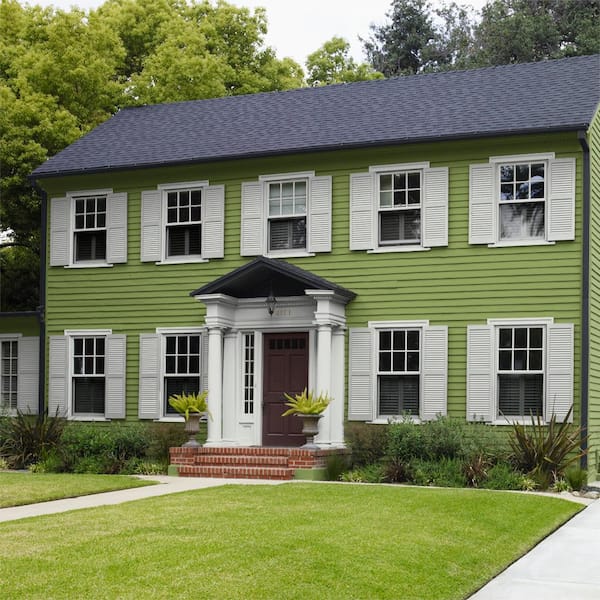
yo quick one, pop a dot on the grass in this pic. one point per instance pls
(290, 541)
(17, 489)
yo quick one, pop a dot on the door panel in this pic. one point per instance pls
(285, 360)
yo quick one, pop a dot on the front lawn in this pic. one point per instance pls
(17, 489)
(289, 541)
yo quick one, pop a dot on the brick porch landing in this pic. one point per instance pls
(253, 462)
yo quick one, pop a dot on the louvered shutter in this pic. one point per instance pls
(204, 361)
(253, 219)
(559, 375)
(149, 391)
(58, 376)
(434, 372)
(28, 375)
(60, 232)
(116, 346)
(561, 199)
(213, 221)
(435, 207)
(116, 228)
(480, 373)
(361, 401)
(362, 212)
(151, 244)
(481, 205)
(320, 214)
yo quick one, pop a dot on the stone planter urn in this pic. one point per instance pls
(310, 428)
(192, 427)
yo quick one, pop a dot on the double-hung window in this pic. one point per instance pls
(88, 375)
(287, 215)
(184, 223)
(90, 229)
(181, 367)
(399, 207)
(9, 364)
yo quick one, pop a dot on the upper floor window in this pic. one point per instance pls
(523, 199)
(286, 215)
(88, 229)
(182, 222)
(399, 208)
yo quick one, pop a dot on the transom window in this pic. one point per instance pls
(184, 223)
(90, 228)
(8, 374)
(287, 215)
(400, 208)
(522, 200)
(398, 371)
(182, 367)
(88, 380)
(520, 370)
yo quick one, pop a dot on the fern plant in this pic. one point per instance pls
(190, 403)
(306, 403)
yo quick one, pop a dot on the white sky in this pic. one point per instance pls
(298, 27)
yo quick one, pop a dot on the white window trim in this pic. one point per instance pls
(540, 156)
(71, 334)
(8, 337)
(519, 322)
(72, 196)
(164, 332)
(164, 188)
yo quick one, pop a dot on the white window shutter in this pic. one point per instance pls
(434, 372)
(480, 373)
(253, 219)
(213, 221)
(362, 212)
(361, 401)
(435, 207)
(28, 375)
(151, 244)
(116, 228)
(150, 382)
(561, 199)
(60, 232)
(319, 219)
(58, 376)
(559, 371)
(116, 348)
(482, 208)
(204, 361)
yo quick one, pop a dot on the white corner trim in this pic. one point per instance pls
(399, 167)
(86, 332)
(391, 324)
(287, 176)
(522, 321)
(176, 330)
(182, 185)
(522, 157)
(78, 193)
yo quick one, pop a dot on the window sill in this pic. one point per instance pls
(88, 418)
(521, 243)
(88, 265)
(518, 420)
(398, 419)
(182, 261)
(388, 249)
(289, 254)
(173, 419)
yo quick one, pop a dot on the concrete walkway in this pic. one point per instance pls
(564, 565)
(167, 485)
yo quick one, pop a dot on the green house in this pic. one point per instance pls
(422, 246)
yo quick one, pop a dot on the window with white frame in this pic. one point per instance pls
(9, 367)
(181, 367)
(399, 207)
(184, 223)
(287, 215)
(522, 199)
(88, 375)
(249, 366)
(90, 228)
(398, 371)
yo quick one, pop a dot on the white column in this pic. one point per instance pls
(338, 371)
(215, 386)
(323, 383)
(231, 386)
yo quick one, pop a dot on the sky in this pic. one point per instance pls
(296, 28)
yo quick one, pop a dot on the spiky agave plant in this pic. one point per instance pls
(306, 403)
(190, 402)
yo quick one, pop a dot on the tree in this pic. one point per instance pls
(331, 63)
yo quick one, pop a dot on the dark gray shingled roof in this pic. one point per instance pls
(544, 96)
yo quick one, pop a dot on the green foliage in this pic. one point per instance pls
(367, 442)
(335, 465)
(161, 437)
(544, 451)
(3, 464)
(192, 402)
(475, 469)
(443, 472)
(576, 478)
(374, 473)
(503, 477)
(306, 403)
(20, 280)
(25, 439)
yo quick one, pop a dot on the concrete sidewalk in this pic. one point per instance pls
(166, 485)
(564, 565)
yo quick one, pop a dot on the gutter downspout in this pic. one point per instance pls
(585, 295)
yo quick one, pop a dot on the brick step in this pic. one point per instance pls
(240, 460)
(245, 450)
(228, 471)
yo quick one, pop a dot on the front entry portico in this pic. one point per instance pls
(249, 365)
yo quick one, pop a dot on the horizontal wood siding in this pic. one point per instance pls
(454, 286)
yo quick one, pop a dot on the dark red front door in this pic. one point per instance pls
(285, 369)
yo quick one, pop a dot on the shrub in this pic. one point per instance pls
(475, 469)
(443, 438)
(576, 478)
(140, 466)
(161, 437)
(405, 442)
(3, 464)
(367, 442)
(367, 474)
(503, 477)
(335, 465)
(443, 472)
(25, 438)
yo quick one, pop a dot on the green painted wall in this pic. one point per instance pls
(25, 325)
(454, 286)
(594, 367)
